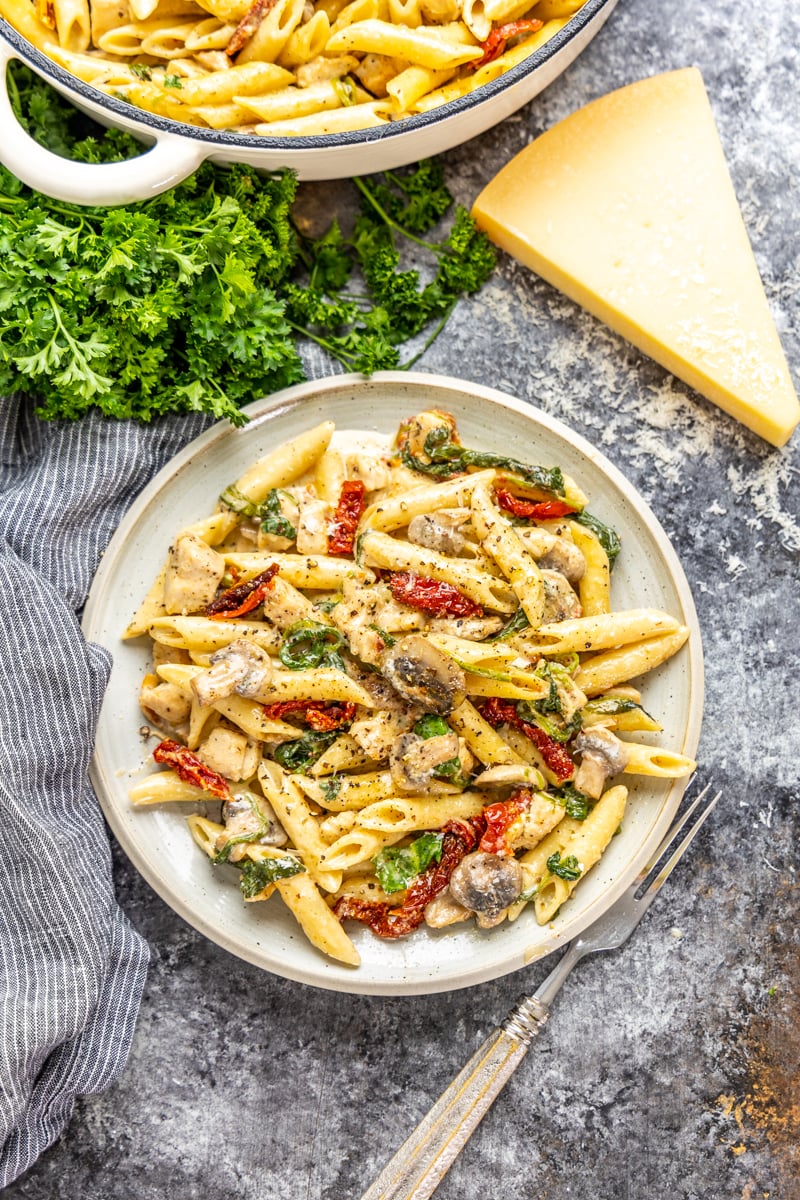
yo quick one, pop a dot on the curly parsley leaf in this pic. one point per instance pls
(193, 301)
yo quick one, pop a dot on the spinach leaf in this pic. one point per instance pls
(256, 875)
(396, 867)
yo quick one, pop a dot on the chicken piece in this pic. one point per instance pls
(602, 755)
(414, 432)
(375, 70)
(443, 910)
(535, 823)
(312, 523)
(245, 816)
(362, 613)
(439, 530)
(374, 473)
(321, 68)
(163, 654)
(376, 734)
(164, 704)
(560, 602)
(231, 753)
(194, 572)
(241, 667)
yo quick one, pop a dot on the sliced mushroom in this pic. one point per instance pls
(488, 884)
(439, 530)
(413, 759)
(565, 557)
(423, 674)
(509, 774)
(240, 667)
(560, 602)
(244, 815)
(475, 629)
(602, 755)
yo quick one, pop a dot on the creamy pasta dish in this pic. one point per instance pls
(288, 68)
(390, 684)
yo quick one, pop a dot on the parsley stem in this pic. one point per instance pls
(365, 191)
(433, 336)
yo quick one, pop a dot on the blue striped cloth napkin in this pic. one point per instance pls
(72, 968)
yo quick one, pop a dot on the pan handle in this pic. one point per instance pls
(165, 164)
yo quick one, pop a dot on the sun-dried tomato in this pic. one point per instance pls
(495, 43)
(499, 819)
(432, 595)
(346, 518)
(388, 921)
(320, 716)
(243, 597)
(532, 510)
(191, 769)
(248, 26)
(504, 712)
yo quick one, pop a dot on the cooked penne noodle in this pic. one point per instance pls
(652, 760)
(598, 632)
(404, 814)
(628, 662)
(594, 587)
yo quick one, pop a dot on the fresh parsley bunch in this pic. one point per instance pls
(195, 300)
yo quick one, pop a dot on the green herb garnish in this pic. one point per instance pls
(517, 623)
(396, 868)
(257, 875)
(565, 868)
(576, 804)
(331, 787)
(449, 458)
(297, 756)
(308, 644)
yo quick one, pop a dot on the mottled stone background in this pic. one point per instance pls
(669, 1068)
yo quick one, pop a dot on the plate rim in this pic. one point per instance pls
(262, 412)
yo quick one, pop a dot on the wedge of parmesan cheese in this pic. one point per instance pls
(627, 207)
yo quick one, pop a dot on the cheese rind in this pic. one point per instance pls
(627, 206)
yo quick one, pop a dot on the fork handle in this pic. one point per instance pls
(427, 1154)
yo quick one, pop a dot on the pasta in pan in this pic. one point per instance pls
(288, 68)
(375, 683)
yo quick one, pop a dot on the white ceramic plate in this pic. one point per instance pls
(157, 841)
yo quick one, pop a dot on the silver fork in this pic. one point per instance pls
(426, 1156)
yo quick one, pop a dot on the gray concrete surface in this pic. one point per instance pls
(670, 1068)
